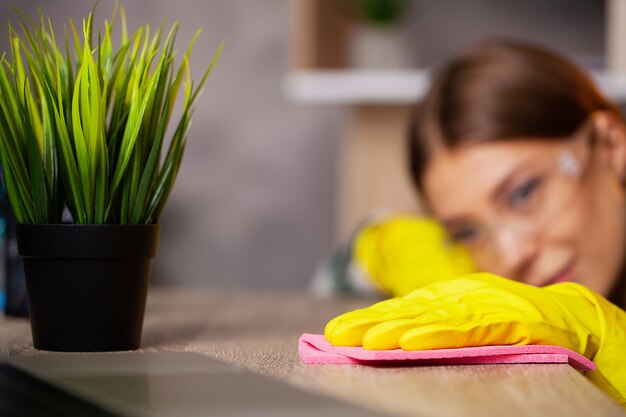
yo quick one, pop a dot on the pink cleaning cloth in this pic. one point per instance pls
(315, 349)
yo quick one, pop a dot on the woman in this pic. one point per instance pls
(542, 157)
(522, 161)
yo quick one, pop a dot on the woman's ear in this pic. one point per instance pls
(610, 136)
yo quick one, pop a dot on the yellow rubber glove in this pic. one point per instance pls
(402, 253)
(484, 309)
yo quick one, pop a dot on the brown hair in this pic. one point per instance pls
(501, 90)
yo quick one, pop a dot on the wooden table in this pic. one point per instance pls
(260, 331)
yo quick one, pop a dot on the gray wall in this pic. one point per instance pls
(254, 202)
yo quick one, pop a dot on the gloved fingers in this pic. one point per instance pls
(348, 329)
(387, 334)
(444, 336)
(476, 310)
(486, 333)
(342, 331)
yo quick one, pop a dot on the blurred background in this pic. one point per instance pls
(299, 131)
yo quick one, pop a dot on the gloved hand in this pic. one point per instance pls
(484, 309)
(401, 253)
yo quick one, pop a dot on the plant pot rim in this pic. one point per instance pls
(69, 225)
(70, 241)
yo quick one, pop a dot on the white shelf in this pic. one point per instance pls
(391, 86)
(356, 86)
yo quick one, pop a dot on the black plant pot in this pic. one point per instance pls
(87, 284)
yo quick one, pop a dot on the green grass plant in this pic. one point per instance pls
(83, 124)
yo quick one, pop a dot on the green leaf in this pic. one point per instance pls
(80, 146)
(38, 182)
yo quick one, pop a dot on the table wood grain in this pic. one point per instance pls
(259, 330)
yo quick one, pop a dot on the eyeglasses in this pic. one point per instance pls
(527, 205)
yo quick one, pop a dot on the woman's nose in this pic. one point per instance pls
(514, 253)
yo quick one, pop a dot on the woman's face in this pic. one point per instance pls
(534, 211)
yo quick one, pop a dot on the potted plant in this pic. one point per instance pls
(377, 38)
(82, 128)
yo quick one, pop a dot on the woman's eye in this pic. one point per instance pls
(523, 193)
(465, 235)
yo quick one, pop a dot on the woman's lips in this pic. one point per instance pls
(564, 275)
